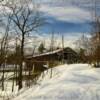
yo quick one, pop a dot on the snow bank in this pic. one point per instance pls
(69, 82)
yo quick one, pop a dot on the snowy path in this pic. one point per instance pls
(69, 82)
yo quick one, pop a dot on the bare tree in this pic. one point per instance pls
(95, 41)
(95, 38)
(24, 21)
(4, 50)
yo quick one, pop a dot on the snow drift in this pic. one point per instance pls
(69, 82)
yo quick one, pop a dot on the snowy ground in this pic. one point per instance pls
(7, 93)
(69, 82)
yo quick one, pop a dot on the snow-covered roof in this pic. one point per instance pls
(50, 53)
(47, 53)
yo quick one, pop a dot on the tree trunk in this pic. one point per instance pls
(21, 62)
(3, 78)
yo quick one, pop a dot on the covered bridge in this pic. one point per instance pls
(49, 59)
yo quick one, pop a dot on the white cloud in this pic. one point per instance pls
(46, 39)
(68, 13)
(68, 40)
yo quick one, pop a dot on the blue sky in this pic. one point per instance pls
(72, 18)
(68, 17)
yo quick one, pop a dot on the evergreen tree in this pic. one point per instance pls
(82, 54)
(41, 48)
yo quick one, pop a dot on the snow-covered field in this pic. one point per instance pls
(69, 82)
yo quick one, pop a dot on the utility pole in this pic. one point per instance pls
(51, 49)
(62, 48)
(52, 42)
